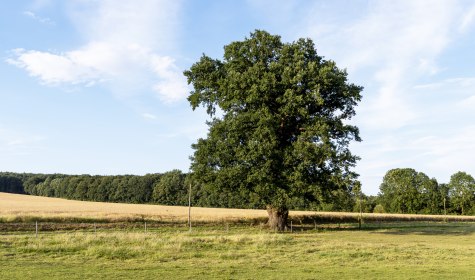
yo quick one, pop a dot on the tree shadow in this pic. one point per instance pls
(448, 229)
(410, 228)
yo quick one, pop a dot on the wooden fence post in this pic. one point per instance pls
(189, 208)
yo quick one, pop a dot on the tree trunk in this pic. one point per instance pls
(278, 217)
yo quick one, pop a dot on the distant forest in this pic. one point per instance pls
(403, 190)
(169, 188)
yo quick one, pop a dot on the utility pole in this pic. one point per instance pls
(445, 211)
(361, 211)
(189, 208)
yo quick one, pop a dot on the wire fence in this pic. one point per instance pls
(295, 224)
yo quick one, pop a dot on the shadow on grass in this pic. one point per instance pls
(421, 228)
(447, 229)
(389, 228)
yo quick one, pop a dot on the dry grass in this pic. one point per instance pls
(18, 208)
(15, 205)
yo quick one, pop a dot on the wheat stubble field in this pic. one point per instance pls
(393, 249)
(17, 206)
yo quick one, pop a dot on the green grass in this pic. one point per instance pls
(388, 251)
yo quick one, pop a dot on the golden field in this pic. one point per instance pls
(16, 207)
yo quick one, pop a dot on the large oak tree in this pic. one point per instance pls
(278, 127)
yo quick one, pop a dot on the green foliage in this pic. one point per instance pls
(462, 192)
(406, 191)
(280, 136)
(171, 189)
(432, 197)
(379, 209)
(11, 182)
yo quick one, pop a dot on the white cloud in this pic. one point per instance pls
(467, 19)
(123, 50)
(401, 40)
(461, 82)
(54, 69)
(468, 103)
(151, 23)
(106, 63)
(34, 16)
(14, 142)
(448, 152)
(173, 85)
(149, 116)
(190, 132)
(389, 47)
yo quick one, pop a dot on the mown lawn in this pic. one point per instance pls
(392, 251)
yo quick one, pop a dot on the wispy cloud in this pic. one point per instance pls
(37, 18)
(467, 19)
(149, 116)
(468, 103)
(458, 82)
(126, 42)
(388, 46)
(14, 142)
(400, 41)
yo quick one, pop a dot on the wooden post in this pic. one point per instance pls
(189, 208)
(361, 213)
(291, 228)
(445, 211)
(145, 227)
(95, 230)
(36, 227)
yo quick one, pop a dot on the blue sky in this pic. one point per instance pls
(97, 87)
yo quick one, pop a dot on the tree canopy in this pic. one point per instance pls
(404, 190)
(278, 127)
(462, 191)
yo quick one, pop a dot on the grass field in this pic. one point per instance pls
(414, 247)
(403, 251)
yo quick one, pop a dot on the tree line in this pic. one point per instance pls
(169, 188)
(403, 190)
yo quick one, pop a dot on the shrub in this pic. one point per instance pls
(378, 209)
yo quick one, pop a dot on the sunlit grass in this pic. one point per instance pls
(224, 243)
(420, 251)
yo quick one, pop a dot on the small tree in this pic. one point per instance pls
(462, 191)
(171, 189)
(402, 190)
(280, 132)
(432, 198)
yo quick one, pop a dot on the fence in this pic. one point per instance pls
(318, 221)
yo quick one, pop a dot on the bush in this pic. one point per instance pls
(378, 209)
